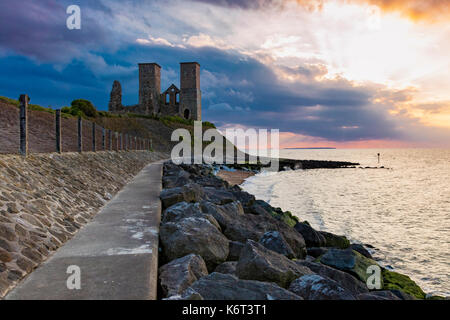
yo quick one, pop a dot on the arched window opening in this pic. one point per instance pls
(167, 98)
(177, 99)
(186, 114)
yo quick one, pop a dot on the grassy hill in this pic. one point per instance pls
(41, 127)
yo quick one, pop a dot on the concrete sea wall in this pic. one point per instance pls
(46, 198)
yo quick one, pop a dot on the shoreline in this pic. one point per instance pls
(255, 244)
(368, 246)
(235, 177)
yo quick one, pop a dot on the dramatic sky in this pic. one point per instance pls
(343, 73)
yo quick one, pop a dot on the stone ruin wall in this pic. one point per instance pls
(153, 102)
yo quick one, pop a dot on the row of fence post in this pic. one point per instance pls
(123, 141)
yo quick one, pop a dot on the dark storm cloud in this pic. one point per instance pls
(38, 29)
(236, 88)
(240, 90)
(333, 110)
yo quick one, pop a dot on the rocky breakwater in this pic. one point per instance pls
(46, 198)
(219, 242)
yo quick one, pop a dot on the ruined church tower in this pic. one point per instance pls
(185, 102)
(191, 96)
(149, 87)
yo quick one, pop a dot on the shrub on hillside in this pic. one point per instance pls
(85, 106)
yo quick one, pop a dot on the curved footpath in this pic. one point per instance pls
(117, 252)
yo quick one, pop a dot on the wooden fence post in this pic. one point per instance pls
(121, 141)
(23, 148)
(117, 141)
(94, 148)
(80, 134)
(103, 139)
(58, 131)
(110, 140)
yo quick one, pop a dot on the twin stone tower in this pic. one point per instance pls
(185, 102)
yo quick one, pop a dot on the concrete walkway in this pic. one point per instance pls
(117, 252)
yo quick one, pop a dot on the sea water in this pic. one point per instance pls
(402, 210)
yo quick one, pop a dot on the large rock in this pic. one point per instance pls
(243, 197)
(177, 178)
(360, 248)
(335, 241)
(316, 251)
(218, 286)
(260, 207)
(396, 281)
(183, 210)
(316, 287)
(189, 193)
(240, 227)
(312, 237)
(349, 261)
(224, 214)
(210, 181)
(235, 250)
(274, 241)
(176, 276)
(345, 280)
(188, 294)
(378, 295)
(194, 235)
(228, 267)
(218, 196)
(259, 263)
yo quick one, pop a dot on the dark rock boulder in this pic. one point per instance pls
(218, 286)
(224, 214)
(197, 236)
(316, 251)
(188, 193)
(402, 295)
(344, 279)
(243, 197)
(259, 207)
(198, 169)
(183, 210)
(218, 196)
(169, 169)
(176, 276)
(177, 178)
(312, 237)
(211, 181)
(259, 263)
(396, 281)
(292, 237)
(378, 295)
(274, 241)
(335, 241)
(360, 248)
(316, 287)
(228, 267)
(188, 294)
(349, 261)
(235, 250)
(240, 227)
